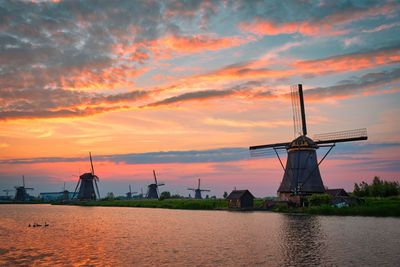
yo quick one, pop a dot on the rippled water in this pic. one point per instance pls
(113, 236)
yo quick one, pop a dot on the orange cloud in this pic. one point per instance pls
(350, 62)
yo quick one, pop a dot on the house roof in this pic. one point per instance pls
(336, 192)
(239, 194)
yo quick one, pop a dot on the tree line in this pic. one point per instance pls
(378, 188)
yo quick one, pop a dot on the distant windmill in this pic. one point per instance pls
(86, 184)
(197, 191)
(129, 194)
(152, 191)
(7, 191)
(301, 176)
(21, 194)
(65, 193)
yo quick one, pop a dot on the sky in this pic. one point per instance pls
(185, 87)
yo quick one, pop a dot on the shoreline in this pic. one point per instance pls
(375, 207)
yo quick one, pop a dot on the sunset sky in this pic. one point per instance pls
(185, 87)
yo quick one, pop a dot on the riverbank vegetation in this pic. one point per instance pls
(378, 188)
(190, 204)
(367, 206)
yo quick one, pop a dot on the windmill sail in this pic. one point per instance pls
(342, 136)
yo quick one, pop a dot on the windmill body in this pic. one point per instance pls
(21, 191)
(301, 174)
(86, 189)
(152, 189)
(87, 184)
(198, 190)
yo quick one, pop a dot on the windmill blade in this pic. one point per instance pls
(155, 177)
(342, 136)
(294, 93)
(79, 181)
(91, 162)
(198, 187)
(161, 184)
(191, 189)
(96, 178)
(276, 146)
(262, 153)
(97, 188)
(23, 181)
(205, 190)
(28, 188)
(130, 190)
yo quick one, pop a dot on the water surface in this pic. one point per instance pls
(117, 236)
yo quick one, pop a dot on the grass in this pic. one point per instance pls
(188, 204)
(380, 207)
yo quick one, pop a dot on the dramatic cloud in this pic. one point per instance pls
(369, 82)
(326, 25)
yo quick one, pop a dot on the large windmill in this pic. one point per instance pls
(301, 175)
(20, 193)
(152, 189)
(197, 191)
(86, 184)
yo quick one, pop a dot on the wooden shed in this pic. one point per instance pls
(339, 192)
(240, 199)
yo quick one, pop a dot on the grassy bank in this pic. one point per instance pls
(382, 207)
(189, 204)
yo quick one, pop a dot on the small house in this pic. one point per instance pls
(339, 192)
(240, 199)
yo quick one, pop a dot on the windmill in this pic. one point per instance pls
(301, 175)
(85, 184)
(65, 193)
(7, 191)
(21, 194)
(152, 191)
(129, 194)
(197, 191)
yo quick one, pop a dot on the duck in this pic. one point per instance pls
(38, 225)
(46, 224)
(29, 225)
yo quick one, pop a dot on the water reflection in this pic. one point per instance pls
(302, 240)
(101, 236)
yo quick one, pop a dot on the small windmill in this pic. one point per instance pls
(197, 191)
(8, 191)
(129, 194)
(302, 176)
(65, 193)
(21, 194)
(86, 184)
(152, 189)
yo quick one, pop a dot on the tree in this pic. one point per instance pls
(378, 188)
(225, 194)
(165, 195)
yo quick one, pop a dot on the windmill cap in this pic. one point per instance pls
(303, 143)
(87, 176)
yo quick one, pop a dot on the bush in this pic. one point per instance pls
(318, 199)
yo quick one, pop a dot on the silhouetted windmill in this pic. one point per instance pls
(129, 194)
(301, 176)
(152, 191)
(21, 194)
(7, 191)
(197, 191)
(87, 181)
